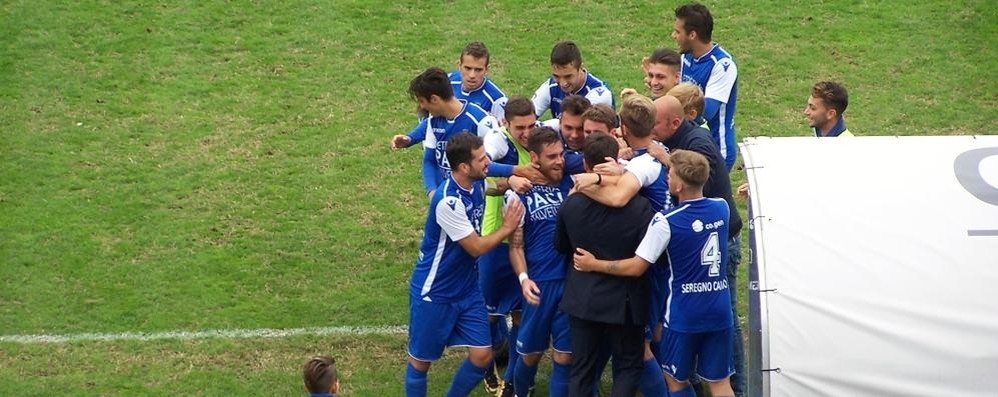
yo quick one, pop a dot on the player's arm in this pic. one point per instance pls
(477, 245)
(518, 258)
(499, 107)
(601, 95)
(431, 172)
(542, 98)
(719, 85)
(613, 191)
(518, 261)
(415, 136)
(630, 267)
(653, 244)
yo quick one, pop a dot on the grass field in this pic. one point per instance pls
(225, 165)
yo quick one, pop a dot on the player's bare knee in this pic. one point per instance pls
(562, 358)
(675, 385)
(721, 388)
(648, 354)
(481, 357)
(531, 359)
(421, 366)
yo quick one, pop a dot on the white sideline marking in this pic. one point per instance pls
(213, 333)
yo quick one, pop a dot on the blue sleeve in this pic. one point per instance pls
(431, 173)
(573, 163)
(500, 170)
(710, 108)
(418, 134)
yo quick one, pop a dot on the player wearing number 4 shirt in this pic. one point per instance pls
(697, 317)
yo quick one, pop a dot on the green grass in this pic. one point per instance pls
(195, 165)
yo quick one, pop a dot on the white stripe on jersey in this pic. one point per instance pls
(672, 272)
(436, 256)
(722, 130)
(668, 300)
(436, 264)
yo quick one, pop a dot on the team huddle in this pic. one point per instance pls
(607, 234)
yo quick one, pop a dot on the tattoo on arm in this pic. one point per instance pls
(516, 240)
(611, 267)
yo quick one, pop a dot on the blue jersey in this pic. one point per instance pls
(550, 95)
(653, 178)
(716, 74)
(488, 96)
(544, 263)
(445, 272)
(693, 237)
(438, 129)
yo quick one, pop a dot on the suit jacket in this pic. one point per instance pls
(608, 233)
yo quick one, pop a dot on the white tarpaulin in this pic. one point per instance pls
(875, 266)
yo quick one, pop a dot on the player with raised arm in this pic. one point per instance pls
(569, 77)
(709, 66)
(691, 238)
(432, 91)
(445, 305)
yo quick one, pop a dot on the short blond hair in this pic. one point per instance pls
(690, 96)
(637, 113)
(691, 167)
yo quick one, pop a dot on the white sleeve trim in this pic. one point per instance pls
(496, 145)
(430, 140)
(721, 81)
(452, 218)
(656, 239)
(645, 170)
(600, 95)
(542, 98)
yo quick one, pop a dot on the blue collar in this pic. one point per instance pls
(835, 131)
(321, 395)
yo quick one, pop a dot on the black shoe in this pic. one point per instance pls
(492, 382)
(507, 390)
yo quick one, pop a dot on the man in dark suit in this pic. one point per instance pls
(601, 306)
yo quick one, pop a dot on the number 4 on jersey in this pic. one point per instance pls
(710, 255)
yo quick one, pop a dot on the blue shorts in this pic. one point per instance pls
(544, 323)
(433, 326)
(711, 351)
(499, 285)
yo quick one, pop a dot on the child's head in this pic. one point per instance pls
(691, 97)
(320, 375)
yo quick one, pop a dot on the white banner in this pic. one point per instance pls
(874, 266)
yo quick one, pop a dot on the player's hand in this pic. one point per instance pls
(627, 91)
(530, 171)
(609, 168)
(519, 184)
(659, 153)
(400, 141)
(514, 213)
(743, 190)
(530, 292)
(429, 195)
(625, 153)
(583, 261)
